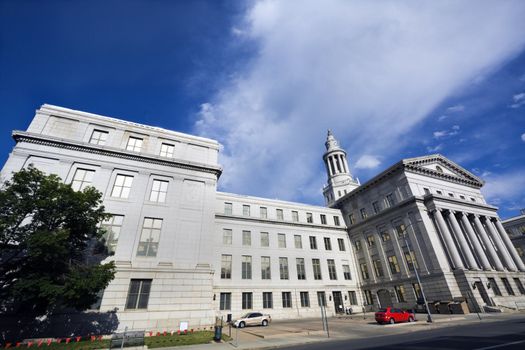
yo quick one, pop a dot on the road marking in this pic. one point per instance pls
(501, 345)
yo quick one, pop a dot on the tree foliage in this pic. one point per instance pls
(47, 231)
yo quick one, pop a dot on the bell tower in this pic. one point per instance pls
(340, 180)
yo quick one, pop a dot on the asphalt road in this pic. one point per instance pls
(504, 335)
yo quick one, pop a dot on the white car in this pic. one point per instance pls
(252, 319)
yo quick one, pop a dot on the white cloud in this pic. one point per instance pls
(446, 133)
(518, 99)
(523, 137)
(369, 71)
(456, 108)
(367, 162)
(507, 187)
(435, 148)
(442, 117)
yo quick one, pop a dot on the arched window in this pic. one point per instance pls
(439, 169)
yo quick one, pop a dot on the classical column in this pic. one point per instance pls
(467, 253)
(449, 242)
(488, 244)
(501, 248)
(474, 240)
(509, 245)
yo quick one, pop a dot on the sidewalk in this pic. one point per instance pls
(304, 331)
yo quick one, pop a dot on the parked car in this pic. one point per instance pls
(392, 315)
(252, 319)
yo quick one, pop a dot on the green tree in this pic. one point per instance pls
(48, 233)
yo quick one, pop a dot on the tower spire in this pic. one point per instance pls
(340, 180)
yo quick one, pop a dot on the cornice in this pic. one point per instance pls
(278, 222)
(22, 136)
(434, 198)
(414, 168)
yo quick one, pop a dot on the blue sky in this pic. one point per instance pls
(267, 78)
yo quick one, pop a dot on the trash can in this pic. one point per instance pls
(218, 333)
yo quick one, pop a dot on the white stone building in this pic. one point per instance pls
(515, 227)
(187, 253)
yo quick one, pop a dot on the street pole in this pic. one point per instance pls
(405, 233)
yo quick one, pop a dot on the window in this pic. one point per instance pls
(313, 242)
(134, 144)
(518, 284)
(122, 186)
(439, 169)
(392, 262)
(427, 191)
(99, 137)
(363, 213)
(266, 272)
(364, 271)
(507, 286)
(417, 290)
(316, 265)
(138, 294)
(246, 210)
(336, 221)
(279, 213)
(82, 179)
(301, 273)
(246, 238)
(369, 300)
(321, 298)
(226, 236)
(228, 208)
(309, 218)
(281, 240)
(353, 297)
(385, 236)
(305, 299)
(346, 272)
(167, 150)
(390, 200)
(225, 301)
(295, 216)
(341, 244)
(400, 230)
(323, 219)
(331, 269)
(112, 227)
(149, 237)
(263, 211)
(351, 219)
(159, 189)
(400, 293)
(287, 299)
(376, 207)
(226, 266)
(327, 243)
(298, 242)
(265, 239)
(410, 258)
(246, 301)
(357, 245)
(370, 240)
(494, 286)
(267, 300)
(283, 268)
(378, 268)
(246, 267)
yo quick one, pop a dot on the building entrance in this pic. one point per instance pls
(338, 302)
(384, 298)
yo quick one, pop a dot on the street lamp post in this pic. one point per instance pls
(429, 316)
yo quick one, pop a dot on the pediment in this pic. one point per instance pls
(439, 166)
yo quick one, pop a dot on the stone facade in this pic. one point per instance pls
(188, 253)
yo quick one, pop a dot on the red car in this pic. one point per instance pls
(392, 315)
